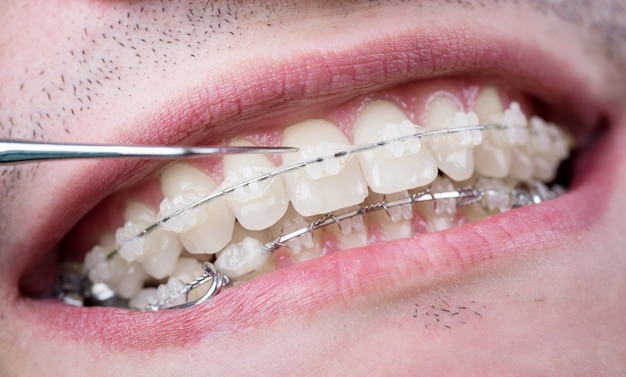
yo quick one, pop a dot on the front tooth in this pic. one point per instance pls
(398, 166)
(210, 235)
(258, 205)
(325, 186)
(240, 259)
(491, 160)
(452, 152)
(187, 270)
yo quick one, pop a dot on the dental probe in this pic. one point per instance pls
(19, 151)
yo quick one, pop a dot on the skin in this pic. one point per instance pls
(79, 71)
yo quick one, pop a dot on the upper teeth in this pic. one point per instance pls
(325, 183)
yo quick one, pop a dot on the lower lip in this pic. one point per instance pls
(347, 277)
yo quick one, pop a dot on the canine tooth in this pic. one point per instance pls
(162, 251)
(397, 166)
(260, 204)
(328, 185)
(145, 297)
(185, 220)
(214, 221)
(491, 158)
(240, 259)
(452, 152)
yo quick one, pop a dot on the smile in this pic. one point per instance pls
(410, 160)
(412, 173)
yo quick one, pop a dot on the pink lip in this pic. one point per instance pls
(345, 277)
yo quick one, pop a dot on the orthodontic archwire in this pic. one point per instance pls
(524, 194)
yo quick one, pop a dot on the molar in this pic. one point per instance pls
(260, 204)
(328, 185)
(207, 236)
(398, 166)
(453, 152)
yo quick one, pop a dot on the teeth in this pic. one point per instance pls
(143, 299)
(440, 213)
(398, 213)
(548, 146)
(398, 166)
(496, 197)
(130, 280)
(240, 259)
(328, 185)
(293, 221)
(163, 249)
(187, 270)
(453, 152)
(214, 220)
(260, 204)
(490, 159)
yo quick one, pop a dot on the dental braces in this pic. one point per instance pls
(491, 194)
(77, 289)
(515, 131)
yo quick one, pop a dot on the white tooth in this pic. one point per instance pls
(143, 299)
(516, 124)
(130, 247)
(444, 206)
(491, 160)
(214, 220)
(139, 214)
(402, 212)
(260, 204)
(240, 259)
(168, 295)
(541, 147)
(184, 220)
(183, 179)
(187, 270)
(162, 251)
(453, 152)
(328, 185)
(352, 224)
(497, 194)
(398, 166)
(521, 164)
(131, 281)
(488, 105)
(292, 222)
(97, 264)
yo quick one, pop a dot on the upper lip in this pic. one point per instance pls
(215, 111)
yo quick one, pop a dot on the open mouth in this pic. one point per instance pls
(450, 154)
(395, 164)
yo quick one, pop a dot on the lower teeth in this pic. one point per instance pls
(247, 259)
